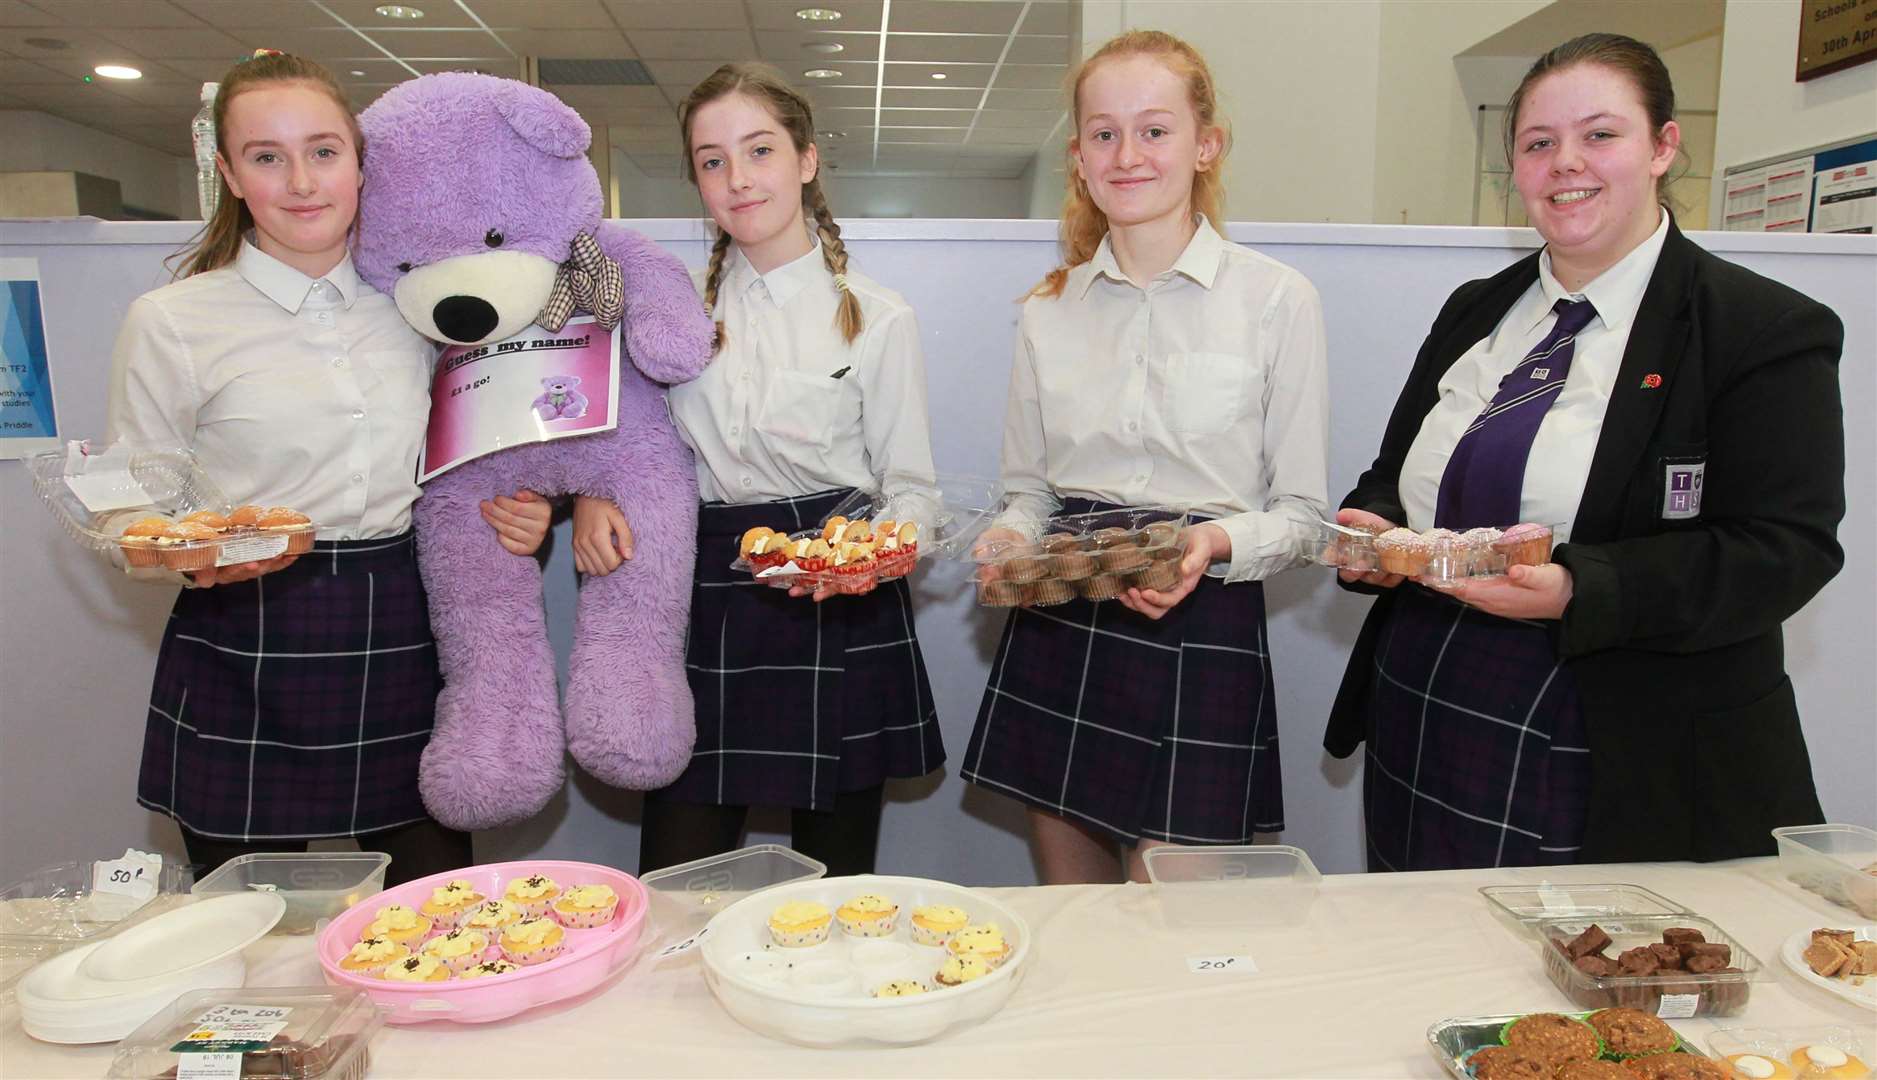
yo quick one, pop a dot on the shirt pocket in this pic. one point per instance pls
(801, 408)
(1203, 393)
(403, 382)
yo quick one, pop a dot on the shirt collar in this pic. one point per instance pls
(288, 287)
(785, 281)
(1617, 292)
(1199, 261)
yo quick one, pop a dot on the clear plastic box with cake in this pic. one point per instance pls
(274, 1033)
(1438, 557)
(1677, 965)
(1095, 556)
(153, 506)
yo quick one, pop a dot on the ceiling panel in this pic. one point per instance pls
(675, 14)
(115, 13)
(928, 117)
(1025, 99)
(447, 43)
(937, 97)
(361, 13)
(1032, 77)
(683, 74)
(258, 14)
(978, 48)
(505, 68)
(855, 14)
(585, 45)
(956, 16)
(905, 134)
(543, 14)
(921, 75)
(19, 13)
(1026, 119)
(1049, 17)
(197, 44)
(780, 46)
(717, 46)
(1028, 49)
(643, 98)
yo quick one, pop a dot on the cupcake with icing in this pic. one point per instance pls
(417, 969)
(934, 924)
(449, 904)
(900, 988)
(985, 940)
(140, 541)
(868, 916)
(1402, 551)
(799, 924)
(533, 894)
(958, 970)
(491, 916)
(297, 527)
(586, 906)
(398, 923)
(188, 546)
(533, 941)
(489, 968)
(371, 956)
(459, 950)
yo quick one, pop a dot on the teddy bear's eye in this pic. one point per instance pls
(404, 268)
(493, 238)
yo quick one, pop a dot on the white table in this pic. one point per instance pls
(1349, 992)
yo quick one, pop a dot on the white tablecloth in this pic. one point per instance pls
(1347, 992)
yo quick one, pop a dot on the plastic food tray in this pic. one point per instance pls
(1838, 862)
(1524, 906)
(325, 1033)
(1860, 989)
(144, 481)
(947, 526)
(1094, 556)
(1716, 994)
(1246, 885)
(824, 999)
(54, 909)
(315, 884)
(591, 957)
(1438, 563)
(684, 898)
(1451, 1040)
(1778, 1044)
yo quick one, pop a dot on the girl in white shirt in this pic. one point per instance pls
(1160, 365)
(818, 388)
(293, 698)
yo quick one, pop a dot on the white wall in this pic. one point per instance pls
(925, 196)
(1763, 111)
(149, 178)
(636, 195)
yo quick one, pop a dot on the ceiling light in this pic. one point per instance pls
(938, 75)
(399, 11)
(818, 14)
(821, 73)
(118, 71)
(357, 73)
(832, 134)
(824, 46)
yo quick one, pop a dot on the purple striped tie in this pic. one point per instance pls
(1486, 474)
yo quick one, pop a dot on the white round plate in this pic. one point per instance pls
(59, 1005)
(821, 995)
(1864, 991)
(186, 938)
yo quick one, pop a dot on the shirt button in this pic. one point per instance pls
(358, 414)
(748, 482)
(735, 429)
(1141, 479)
(1139, 359)
(744, 376)
(358, 478)
(338, 361)
(1132, 426)
(324, 316)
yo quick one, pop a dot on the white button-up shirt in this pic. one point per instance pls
(788, 407)
(291, 391)
(1205, 388)
(1559, 464)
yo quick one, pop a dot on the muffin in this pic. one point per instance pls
(584, 907)
(1112, 537)
(1073, 565)
(1051, 591)
(1524, 545)
(1025, 567)
(868, 916)
(533, 894)
(208, 519)
(297, 527)
(747, 545)
(533, 941)
(800, 923)
(417, 969)
(1402, 551)
(371, 956)
(1101, 587)
(831, 528)
(1676, 1067)
(1481, 559)
(1552, 1037)
(900, 988)
(1758, 1067)
(1160, 534)
(459, 950)
(1631, 1032)
(1123, 560)
(488, 968)
(1061, 543)
(1822, 1060)
(1593, 1069)
(245, 517)
(398, 923)
(491, 916)
(985, 940)
(934, 924)
(139, 541)
(449, 904)
(957, 970)
(1505, 1063)
(1000, 593)
(187, 546)
(1159, 576)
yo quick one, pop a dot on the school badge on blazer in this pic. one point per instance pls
(1681, 488)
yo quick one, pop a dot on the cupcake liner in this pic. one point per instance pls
(1026, 568)
(800, 939)
(189, 558)
(463, 962)
(136, 554)
(1123, 560)
(585, 919)
(1051, 591)
(530, 957)
(444, 921)
(1072, 566)
(869, 928)
(925, 935)
(1159, 576)
(533, 909)
(1100, 587)
(1000, 593)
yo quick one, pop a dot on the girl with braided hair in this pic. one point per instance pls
(818, 388)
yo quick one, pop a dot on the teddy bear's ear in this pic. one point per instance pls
(543, 121)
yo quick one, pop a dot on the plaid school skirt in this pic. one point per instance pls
(1476, 748)
(1159, 729)
(296, 705)
(798, 701)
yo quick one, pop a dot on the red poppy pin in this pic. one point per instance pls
(1651, 381)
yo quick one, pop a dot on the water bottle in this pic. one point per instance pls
(202, 133)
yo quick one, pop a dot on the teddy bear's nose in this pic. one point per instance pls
(464, 318)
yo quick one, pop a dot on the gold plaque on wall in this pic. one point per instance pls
(1834, 35)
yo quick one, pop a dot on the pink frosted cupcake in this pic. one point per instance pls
(1525, 544)
(459, 950)
(1402, 551)
(533, 941)
(533, 894)
(450, 904)
(586, 906)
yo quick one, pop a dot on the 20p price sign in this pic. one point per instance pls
(1221, 965)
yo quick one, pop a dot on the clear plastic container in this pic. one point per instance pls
(947, 526)
(1095, 556)
(1524, 906)
(1453, 1041)
(1665, 993)
(686, 897)
(1243, 885)
(1791, 1047)
(96, 493)
(1838, 862)
(55, 908)
(282, 1033)
(315, 884)
(1438, 558)
(1345, 548)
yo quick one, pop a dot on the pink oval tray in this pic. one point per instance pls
(591, 957)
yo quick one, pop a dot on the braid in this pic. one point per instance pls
(834, 253)
(714, 277)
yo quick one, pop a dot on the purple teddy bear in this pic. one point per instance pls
(477, 190)
(559, 400)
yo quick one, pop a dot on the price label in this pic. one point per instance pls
(252, 548)
(134, 875)
(1221, 965)
(683, 946)
(1678, 1006)
(220, 1066)
(234, 1029)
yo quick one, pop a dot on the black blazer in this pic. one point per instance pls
(1673, 630)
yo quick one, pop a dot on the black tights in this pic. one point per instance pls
(416, 850)
(845, 837)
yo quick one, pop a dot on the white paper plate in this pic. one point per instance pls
(59, 1005)
(1793, 952)
(187, 938)
(820, 995)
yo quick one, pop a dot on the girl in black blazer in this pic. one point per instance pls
(1628, 701)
